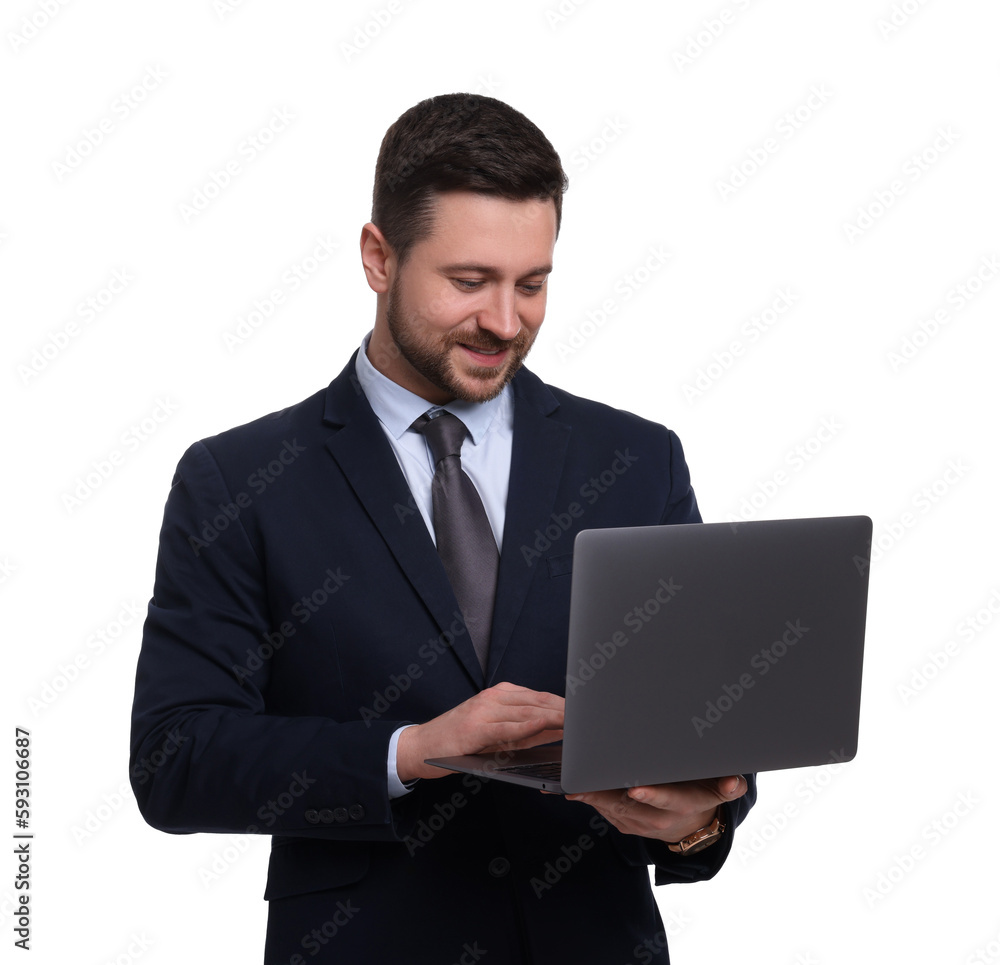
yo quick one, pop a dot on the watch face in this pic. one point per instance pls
(705, 842)
(700, 839)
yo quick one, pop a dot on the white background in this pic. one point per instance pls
(650, 141)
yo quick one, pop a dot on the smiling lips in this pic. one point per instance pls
(485, 357)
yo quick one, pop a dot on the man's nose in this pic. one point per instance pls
(500, 315)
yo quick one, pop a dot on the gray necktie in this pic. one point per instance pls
(465, 540)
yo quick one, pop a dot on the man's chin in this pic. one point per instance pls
(483, 384)
(469, 390)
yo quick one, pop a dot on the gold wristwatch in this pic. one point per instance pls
(699, 840)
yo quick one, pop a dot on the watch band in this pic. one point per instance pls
(699, 840)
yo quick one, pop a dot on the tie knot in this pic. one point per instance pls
(444, 434)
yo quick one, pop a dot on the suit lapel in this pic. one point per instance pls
(367, 461)
(537, 460)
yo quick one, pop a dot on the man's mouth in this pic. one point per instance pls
(485, 356)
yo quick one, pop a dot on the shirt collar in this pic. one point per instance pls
(397, 408)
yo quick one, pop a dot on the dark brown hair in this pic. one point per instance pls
(458, 142)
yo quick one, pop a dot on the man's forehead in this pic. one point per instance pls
(464, 221)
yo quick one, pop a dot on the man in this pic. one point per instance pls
(317, 593)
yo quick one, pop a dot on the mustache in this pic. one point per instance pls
(487, 340)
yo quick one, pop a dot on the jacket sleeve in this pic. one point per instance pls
(682, 506)
(205, 754)
(672, 867)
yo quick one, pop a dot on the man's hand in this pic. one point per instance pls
(503, 717)
(667, 812)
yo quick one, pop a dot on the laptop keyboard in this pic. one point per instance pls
(547, 770)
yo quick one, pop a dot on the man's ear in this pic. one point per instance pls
(378, 258)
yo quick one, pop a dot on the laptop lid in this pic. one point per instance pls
(709, 649)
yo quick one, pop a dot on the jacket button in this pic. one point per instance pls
(312, 816)
(340, 815)
(326, 816)
(356, 811)
(499, 867)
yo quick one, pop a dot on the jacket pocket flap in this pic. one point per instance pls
(301, 865)
(560, 565)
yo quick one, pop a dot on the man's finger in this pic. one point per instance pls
(733, 787)
(690, 795)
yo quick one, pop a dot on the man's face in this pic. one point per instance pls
(464, 309)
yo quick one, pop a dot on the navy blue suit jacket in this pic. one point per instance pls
(300, 613)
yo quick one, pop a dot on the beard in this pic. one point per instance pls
(431, 356)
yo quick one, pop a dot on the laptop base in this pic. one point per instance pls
(537, 767)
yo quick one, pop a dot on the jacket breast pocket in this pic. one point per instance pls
(560, 565)
(298, 866)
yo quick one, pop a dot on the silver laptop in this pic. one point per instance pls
(705, 650)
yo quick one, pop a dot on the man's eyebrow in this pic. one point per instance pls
(487, 270)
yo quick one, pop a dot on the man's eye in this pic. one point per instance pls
(533, 289)
(467, 284)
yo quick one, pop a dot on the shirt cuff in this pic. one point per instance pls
(396, 787)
